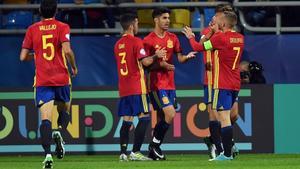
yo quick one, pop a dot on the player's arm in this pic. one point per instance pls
(159, 54)
(183, 58)
(66, 46)
(161, 65)
(157, 61)
(197, 46)
(26, 55)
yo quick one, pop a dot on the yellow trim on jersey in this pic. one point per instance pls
(209, 76)
(34, 79)
(156, 98)
(34, 95)
(145, 103)
(142, 79)
(66, 66)
(216, 98)
(71, 96)
(216, 69)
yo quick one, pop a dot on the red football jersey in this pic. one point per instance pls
(208, 57)
(228, 48)
(46, 38)
(162, 79)
(128, 51)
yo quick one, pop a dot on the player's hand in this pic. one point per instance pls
(167, 66)
(74, 71)
(213, 21)
(161, 53)
(188, 32)
(191, 55)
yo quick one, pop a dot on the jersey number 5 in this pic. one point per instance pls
(238, 49)
(123, 71)
(47, 45)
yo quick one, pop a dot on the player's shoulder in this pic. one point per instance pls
(239, 35)
(150, 36)
(61, 24)
(172, 35)
(137, 39)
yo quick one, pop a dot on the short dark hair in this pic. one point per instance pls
(127, 19)
(223, 8)
(231, 17)
(48, 8)
(159, 11)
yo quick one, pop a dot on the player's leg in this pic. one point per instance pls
(124, 112)
(44, 100)
(234, 115)
(215, 131)
(124, 136)
(214, 125)
(141, 109)
(223, 103)
(226, 134)
(165, 101)
(63, 101)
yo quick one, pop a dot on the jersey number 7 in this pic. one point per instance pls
(238, 49)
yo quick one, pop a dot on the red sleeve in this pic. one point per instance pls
(177, 45)
(65, 34)
(140, 50)
(147, 47)
(218, 41)
(27, 42)
(205, 31)
(196, 45)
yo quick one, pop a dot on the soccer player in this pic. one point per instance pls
(162, 86)
(228, 46)
(131, 57)
(213, 141)
(50, 41)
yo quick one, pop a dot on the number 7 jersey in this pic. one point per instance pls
(129, 50)
(46, 38)
(228, 48)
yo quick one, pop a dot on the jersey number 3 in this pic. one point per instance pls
(124, 70)
(47, 45)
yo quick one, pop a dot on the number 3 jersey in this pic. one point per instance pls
(46, 38)
(129, 50)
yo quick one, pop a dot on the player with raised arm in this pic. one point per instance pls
(213, 141)
(228, 46)
(50, 41)
(130, 56)
(162, 85)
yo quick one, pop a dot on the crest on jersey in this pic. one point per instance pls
(121, 46)
(165, 100)
(68, 36)
(170, 43)
(143, 52)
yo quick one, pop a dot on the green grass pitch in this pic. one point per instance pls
(182, 161)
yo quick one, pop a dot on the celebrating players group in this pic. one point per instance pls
(136, 59)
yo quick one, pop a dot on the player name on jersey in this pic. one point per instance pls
(47, 27)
